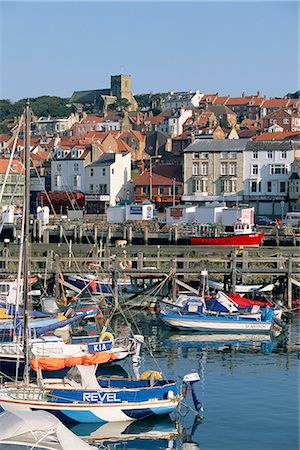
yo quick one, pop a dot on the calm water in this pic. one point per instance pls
(250, 390)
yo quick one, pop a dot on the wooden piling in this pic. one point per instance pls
(289, 283)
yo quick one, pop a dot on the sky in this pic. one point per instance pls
(55, 48)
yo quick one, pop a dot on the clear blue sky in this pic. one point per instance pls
(54, 48)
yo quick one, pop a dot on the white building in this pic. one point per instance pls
(48, 126)
(172, 124)
(182, 99)
(107, 180)
(67, 169)
(267, 168)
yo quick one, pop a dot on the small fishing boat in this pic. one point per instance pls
(241, 240)
(51, 353)
(243, 236)
(194, 315)
(90, 284)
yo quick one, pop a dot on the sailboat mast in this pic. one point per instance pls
(26, 273)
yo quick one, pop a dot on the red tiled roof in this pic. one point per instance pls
(276, 103)
(256, 101)
(4, 137)
(156, 120)
(157, 180)
(92, 119)
(16, 166)
(280, 136)
(294, 103)
(238, 100)
(122, 146)
(208, 96)
(185, 135)
(280, 113)
(138, 135)
(221, 100)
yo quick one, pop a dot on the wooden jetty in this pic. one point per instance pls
(263, 264)
(138, 233)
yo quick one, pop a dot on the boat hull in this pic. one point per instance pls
(250, 240)
(216, 324)
(96, 413)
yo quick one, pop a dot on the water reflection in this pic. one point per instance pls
(151, 434)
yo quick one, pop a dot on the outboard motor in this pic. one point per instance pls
(190, 380)
(139, 340)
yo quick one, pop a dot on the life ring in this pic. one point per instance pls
(151, 373)
(125, 264)
(107, 336)
(94, 266)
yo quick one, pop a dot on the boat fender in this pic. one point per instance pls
(151, 373)
(186, 392)
(125, 264)
(106, 336)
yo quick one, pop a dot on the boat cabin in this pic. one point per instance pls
(242, 228)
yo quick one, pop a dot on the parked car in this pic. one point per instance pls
(264, 220)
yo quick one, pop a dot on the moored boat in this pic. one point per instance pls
(193, 315)
(238, 240)
(81, 397)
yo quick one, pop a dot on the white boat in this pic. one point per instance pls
(37, 430)
(193, 315)
(81, 397)
(52, 353)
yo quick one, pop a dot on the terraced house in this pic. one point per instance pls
(213, 170)
(267, 170)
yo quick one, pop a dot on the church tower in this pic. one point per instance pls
(121, 88)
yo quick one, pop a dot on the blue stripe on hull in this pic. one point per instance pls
(82, 416)
(160, 411)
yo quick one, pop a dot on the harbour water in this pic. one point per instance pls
(249, 387)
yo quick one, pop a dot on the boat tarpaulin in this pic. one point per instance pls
(48, 363)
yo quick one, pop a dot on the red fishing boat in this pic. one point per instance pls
(238, 240)
(243, 236)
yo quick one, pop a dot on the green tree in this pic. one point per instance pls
(3, 129)
(121, 104)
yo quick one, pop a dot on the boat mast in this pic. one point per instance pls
(26, 249)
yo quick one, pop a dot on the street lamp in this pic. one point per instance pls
(150, 173)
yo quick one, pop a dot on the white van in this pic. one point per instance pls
(292, 218)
